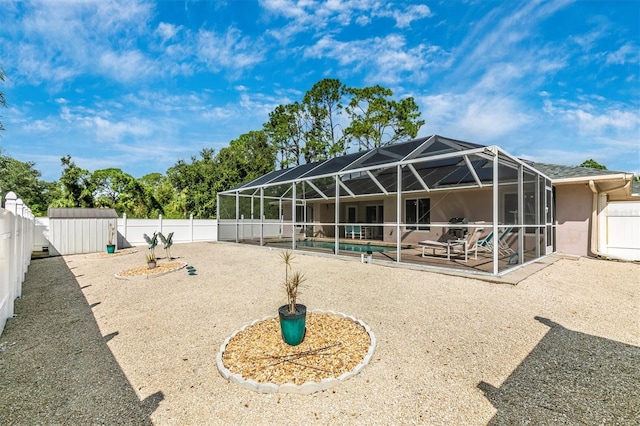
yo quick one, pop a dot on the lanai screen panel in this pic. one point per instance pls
(433, 165)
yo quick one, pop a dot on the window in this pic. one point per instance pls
(417, 214)
(303, 214)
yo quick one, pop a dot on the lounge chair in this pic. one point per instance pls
(454, 245)
(487, 243)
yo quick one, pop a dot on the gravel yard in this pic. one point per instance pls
(562, 346)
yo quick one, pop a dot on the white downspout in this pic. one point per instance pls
(594, 246)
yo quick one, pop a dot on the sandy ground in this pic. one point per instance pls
(563, 346)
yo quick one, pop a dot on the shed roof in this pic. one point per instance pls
(81, 213)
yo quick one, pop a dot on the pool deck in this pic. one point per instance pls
(480, 268)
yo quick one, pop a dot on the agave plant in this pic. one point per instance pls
(152, 241)
(291, 283)
(167, 243)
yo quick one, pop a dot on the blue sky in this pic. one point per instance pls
(139, 85)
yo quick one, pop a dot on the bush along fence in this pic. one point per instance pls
(16, 242)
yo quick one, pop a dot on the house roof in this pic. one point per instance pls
(556, 171)
(81, 213)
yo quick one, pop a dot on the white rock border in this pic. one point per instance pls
(305, 388)
(148, 276)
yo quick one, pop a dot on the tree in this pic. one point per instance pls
(377, 121)
(115, 189)
(109, 185)
(195, 184)
(75, 184)
(246, 158)
(323, 104)
(24, 180)
(313, 130)
(159, 190)
(285, 130)
(592, 164)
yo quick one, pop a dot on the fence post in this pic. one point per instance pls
(20, 252)
(160, 223)
(18, 231)
(191, 223)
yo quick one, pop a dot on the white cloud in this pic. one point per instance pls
(167, 31)
(599, 119)
(126, 65)
(473, 116)
(387, 60)
(404, 17)
(109, 131)
(230, 50)
(317, 16)
(627, 53)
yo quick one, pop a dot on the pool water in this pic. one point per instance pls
(359, 248)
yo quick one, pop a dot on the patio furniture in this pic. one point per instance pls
(454, 245)
(487, 243)
(351, 231)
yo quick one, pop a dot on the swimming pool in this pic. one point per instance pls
(359, 248)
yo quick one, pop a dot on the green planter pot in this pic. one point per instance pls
(292, 326)
(111, 248)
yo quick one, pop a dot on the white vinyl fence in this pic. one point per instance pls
(622, 229)
(131, 231)
(16, 242)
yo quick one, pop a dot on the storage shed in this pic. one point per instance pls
(81, 230)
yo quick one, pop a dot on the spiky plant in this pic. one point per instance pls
(291, 283)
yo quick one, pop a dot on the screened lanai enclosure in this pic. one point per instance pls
(434, 201)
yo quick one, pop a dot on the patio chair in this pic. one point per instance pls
(353, 231)
(487, 243)
(454, 245)
(348, 231)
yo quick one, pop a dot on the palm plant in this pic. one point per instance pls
(291, 283)
(167, 243)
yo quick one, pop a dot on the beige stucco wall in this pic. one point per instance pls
(473, 204)
(573, 216)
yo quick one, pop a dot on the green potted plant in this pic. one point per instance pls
(151, 260)
(111, 247)
(293, 316)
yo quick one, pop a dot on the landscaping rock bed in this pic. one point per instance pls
(335, 348)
